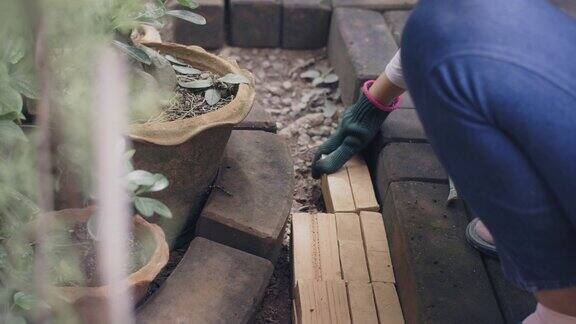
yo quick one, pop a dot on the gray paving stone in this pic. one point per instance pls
(210, 36)
(403, 125)
(375, 4)
(407, 162)
(258, 119)
(255, 23)
(212, 284)
(439, 278)
(305, 23)
(359, 47)
(251, 202)
(396, 19)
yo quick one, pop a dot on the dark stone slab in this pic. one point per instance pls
(255, 23)
(439, 278)
(375, 4)
(359, 48)
(403, 125)
(407, 162)
(210, 36)
(305, 23)
(213, 283)
(396, 19)
(258, 119)
(516, 304)
(251, 202)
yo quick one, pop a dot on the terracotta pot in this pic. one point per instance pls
(189, 151)
(91, 302)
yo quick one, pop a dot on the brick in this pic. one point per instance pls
(362, 306)
(255, 23)
(315, 247)
(258, 119)
(408, 162)
(376, 246)
(362, 187)
(380, 5)
(323, 302)
(241, 211)
(439, 278)
(213, 283)
(337, 192)
(387, 303)
(360, 46)
(210, 36)
(305, 23)
(396, 20)
(351, 248)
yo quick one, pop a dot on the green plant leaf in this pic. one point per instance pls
(141, 178)
(233, 78)
(188, 16)
(14, 319)
(196, 84)
(24, 300)
(148, 206)
(189, 3)
(133, 52)
(10, 132)
(161, 183)
(212, 96)
(310, 74)
(13, 49)
(10, 99)
(186, 70)
(23, 79)
(331, 78)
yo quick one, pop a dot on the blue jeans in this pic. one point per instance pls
(494, 83)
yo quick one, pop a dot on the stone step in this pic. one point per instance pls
(258, 119)
(255, 23)
(396, 20)
(375, 4)
(440, 279)
(360, 46)
(305, 23)
(212, 284)
(209, 36)
(407, 162)
(250, 203)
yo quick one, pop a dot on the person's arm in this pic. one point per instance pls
(361, 121)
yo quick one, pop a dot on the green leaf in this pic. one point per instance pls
(310, 74)
(133, 52)
(13, 49)
(174, 60)
(141, 178)
(148, 206)
(9, 132)
(212, 96)
(24, 300)
(161, 183)
(196, 84)
(233, 78)
(10, 99)
(14, 319)
(186, 70)
(23, 79)
(331, 78)
(188, 16)
(128, 155)
(189, 3)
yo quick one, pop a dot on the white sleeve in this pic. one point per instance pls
(394, 71)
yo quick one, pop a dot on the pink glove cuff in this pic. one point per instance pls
(386, 108)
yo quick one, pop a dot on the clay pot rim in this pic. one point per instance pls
(179, 131)
(145, 274)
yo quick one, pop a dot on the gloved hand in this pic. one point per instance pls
(358, 126)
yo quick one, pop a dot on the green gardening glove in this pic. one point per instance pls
(358, 126)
